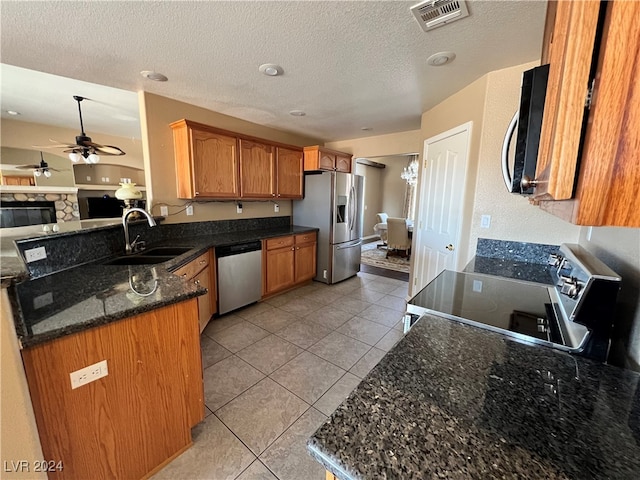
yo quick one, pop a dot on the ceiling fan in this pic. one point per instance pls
(84, 148)
(42, 169)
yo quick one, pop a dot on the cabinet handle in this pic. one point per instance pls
(273, 194)
(197, 193)
(292, 248)
(297, 248)
(184, 275)
(527, 182)
(197, 282)
(202, 262)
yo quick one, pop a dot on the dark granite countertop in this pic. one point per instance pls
(504, 267)
(455, 401)
(94, 294)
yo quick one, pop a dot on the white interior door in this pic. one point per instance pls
(439, 215)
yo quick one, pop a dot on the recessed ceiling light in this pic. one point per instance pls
(12, 112)
(271, 69)
(297, 113)
(366, 129)
(155, 76)
(441, 58)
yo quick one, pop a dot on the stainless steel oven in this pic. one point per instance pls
(575, 314)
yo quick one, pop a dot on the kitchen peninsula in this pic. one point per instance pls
(72, 310)
(455, 401)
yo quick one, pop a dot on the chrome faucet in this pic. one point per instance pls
(129, 247)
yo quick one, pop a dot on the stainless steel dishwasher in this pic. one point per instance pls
(239, 275)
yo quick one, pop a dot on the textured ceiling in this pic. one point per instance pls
(348, 65)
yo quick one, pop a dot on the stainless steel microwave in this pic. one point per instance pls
(528, 123)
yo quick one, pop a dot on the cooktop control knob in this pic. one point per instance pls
(569, 286)
(554, 260)
(565, 268)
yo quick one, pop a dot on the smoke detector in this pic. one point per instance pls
(435, 13)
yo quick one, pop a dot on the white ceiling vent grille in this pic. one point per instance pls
(435, 13)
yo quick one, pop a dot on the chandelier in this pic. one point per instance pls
(410, 173)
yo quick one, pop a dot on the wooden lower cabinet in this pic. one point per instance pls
(288, 262)
(135, 419)
(201, 271)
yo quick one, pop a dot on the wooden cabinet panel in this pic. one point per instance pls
(128, 423)
(215, 165)
(319, 158)
(606, 190)
(305, 261)
(343, 163)
(205, 311)
(257, 170)
(289, 173)
(280, 273)
(279, 242)
(18, 180)
(570, 56)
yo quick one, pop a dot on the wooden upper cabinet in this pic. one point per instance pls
(289, 173)
(569, 48)
(257, 170)
(319, 158)
(214, 163)
(609, 174)
(206, 162)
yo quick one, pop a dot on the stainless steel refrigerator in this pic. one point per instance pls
(333, 202)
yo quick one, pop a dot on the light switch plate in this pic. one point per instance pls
(239, 208)
(189, 210)
(485, 221)
(164, 210)
(35, 254)
(276, 207)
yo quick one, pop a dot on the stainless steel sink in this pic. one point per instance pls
(166, 251)
(140, 260)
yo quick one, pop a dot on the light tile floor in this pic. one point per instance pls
(275, 370)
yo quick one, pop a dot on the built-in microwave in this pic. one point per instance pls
(527, 121)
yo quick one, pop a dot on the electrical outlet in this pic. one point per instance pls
(485, 221)
(103, 179)
(239, 208)
(276, 207)
(189, 210)
(35, 254)
(107, 179)
(88, 374)
(88, 178)
(164, 210)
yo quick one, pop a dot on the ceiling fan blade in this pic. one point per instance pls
(27, 167)
(107, 149)
(75, 149)
(61, 145)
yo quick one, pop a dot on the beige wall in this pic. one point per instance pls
(156, 114)
(393, 187)
(372, 198)
(619, 248)
(380, 145)
(467, 105)
(19, 436)
(17, 134)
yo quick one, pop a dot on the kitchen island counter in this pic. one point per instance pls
(455, 401)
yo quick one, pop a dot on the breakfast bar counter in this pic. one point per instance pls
(455, 401)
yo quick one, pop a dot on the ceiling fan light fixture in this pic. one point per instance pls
(37, 173)
(75, 157)
(47, 173)
(93, 158)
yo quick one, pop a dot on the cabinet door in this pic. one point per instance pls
(257, 170)
(343, 163)
(305, 262)
(570, 53)
(280, 272)
(215, 165)
(327, 161)
(205, 310)
(289, 173)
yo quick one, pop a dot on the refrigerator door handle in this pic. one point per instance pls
(359, 242)
(352, 207)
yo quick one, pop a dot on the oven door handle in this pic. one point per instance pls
(506, 174)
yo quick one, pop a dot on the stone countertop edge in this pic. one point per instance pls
(455, 401)
(202, 244)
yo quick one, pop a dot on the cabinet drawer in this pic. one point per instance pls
(279, 242)
(305, 238)
(192, 268)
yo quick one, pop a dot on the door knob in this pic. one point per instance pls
(449, 247)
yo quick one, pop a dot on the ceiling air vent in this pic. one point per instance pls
(435, 13)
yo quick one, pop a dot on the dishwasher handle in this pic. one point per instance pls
(237, 249)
